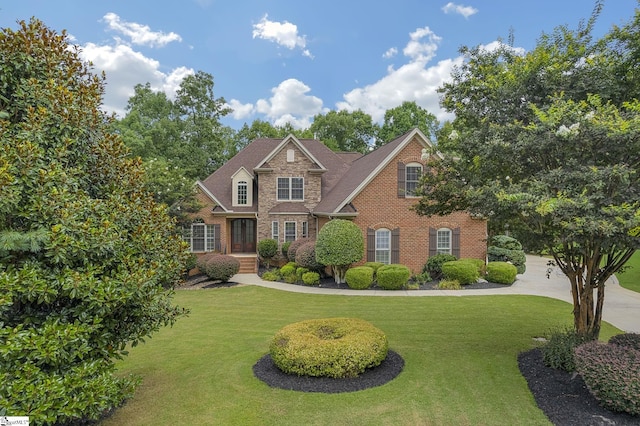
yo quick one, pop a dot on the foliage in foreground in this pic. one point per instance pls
(87, 258)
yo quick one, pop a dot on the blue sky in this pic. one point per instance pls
(284, 60)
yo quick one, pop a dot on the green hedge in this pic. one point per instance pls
(360, 277)
(463, 271)
(501, 272)
(332, 347)
(375, 266)
(393, 277)
(434, 264)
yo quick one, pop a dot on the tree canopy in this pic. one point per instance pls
(544, 142)
(403, 118)
(87, 258)
(344, 130)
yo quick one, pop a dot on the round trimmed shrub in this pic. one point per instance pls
(503, 248)
(340, 243)
(219, 266)
(332, 347)
(359, 278)
(267, 249)
(612, 374)
(375, 266)
(393, 277)
(288, 269)
(434, 264)
(294, 246)
(478, 263)
(463, 271)
(627, 340)
(501, 272)
(306, 256)
(311, 278)
(300, 272)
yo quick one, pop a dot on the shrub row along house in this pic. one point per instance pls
(289, 188)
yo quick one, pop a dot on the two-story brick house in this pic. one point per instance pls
(289, 188)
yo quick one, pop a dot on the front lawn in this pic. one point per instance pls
(460, 361)
(630, 279)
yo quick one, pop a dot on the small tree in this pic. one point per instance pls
(339, 244)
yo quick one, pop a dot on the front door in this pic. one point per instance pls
(243, 236)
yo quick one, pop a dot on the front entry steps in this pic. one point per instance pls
(248, 263)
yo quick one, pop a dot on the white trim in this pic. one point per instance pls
(241, 169)
(415, 132)
(210, 195)
(285, 141)
(275, 225)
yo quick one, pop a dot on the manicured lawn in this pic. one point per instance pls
(460, 361)
(630, 279)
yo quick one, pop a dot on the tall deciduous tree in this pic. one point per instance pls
(544, 141)
(403, 118)
(87, 258)
(345, 131)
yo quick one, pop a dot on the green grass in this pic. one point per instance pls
(460, 361)
(630, 279)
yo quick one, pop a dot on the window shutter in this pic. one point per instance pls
(395, 245)
(216, 237)
(455, 242)
(401, 177)
(371, 245)
(433, 242)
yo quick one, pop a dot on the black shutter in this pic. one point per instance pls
(395, 245)
(401, 180)
(216, 237)
(455, 242)
(371, 245)
(433, 242)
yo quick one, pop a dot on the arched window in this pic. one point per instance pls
(383, 246)
(443, 238)
(242, 193)
(413, 171)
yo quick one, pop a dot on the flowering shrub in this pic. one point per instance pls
(612, 374)
(359, 278)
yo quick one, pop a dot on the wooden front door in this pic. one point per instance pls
(243, 236)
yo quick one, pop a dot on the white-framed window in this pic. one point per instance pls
(383, 246)
(305, 229)
(242, 193)
(201, 237)
(413, 172)
(289, 231)
(443, 241)
(275, 230)
(290, 188)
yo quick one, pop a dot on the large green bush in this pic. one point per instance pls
(501, 272)
(463, 271)
(306, 256)
(340, 243)
(392, 277)
(267, 249)
(219, 266)
(359, 278)
(503, 248)
(88, 260)
(434, 264)
(333, 347)
(612, 374)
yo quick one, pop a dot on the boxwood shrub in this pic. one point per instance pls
(360, 277)
(375, 266)
(271, 276)
(300, 271)
(311, 278)
(332, 347)
(392, 277)
(612, 374)
(219, 266)
(501, 272)
(463, 271)
(267, 249)
(434, 264)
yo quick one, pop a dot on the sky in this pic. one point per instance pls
(288, 60)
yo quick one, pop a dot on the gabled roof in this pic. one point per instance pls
(363, 170)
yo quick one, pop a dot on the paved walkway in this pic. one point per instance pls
(621, 306)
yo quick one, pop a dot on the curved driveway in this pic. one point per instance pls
(621, 306)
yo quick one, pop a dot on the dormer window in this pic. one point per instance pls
(242, 193)
(242, 185)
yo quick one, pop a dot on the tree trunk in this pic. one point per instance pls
(339, 271)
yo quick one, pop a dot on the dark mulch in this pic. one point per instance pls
(564, 397)
(267, 371)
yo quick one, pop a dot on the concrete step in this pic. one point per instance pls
(248, 264)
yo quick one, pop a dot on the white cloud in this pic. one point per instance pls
(240, 110)
(291, 103)
(390, 53)
(124, 68)
(282, 33)
(465, 11)
(138, 33)
(413, 81)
